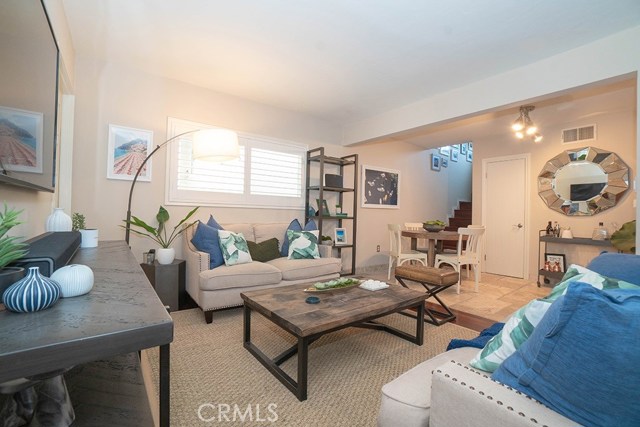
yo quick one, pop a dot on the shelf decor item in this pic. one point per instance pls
(11, 249)
(89, 235)
(34, 292)
(556, 259)
(58, 221)
(74, 280)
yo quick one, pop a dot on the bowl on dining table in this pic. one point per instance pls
(434, 228)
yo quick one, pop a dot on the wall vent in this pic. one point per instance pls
(581, 134)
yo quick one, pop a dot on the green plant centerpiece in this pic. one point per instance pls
(625, 239)
(433, 225)
(11, 248)
(159, 234)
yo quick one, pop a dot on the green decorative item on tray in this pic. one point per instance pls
(331, 285)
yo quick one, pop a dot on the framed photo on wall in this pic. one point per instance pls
(340, 236)
(469, 156)
(436, 162)
(21, 150)
(444, 162)
(464, 148)
(454, 155)
(128, 147)
(552, 259)
(445, 150)
(380, 187)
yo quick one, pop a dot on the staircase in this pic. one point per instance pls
(461, 218)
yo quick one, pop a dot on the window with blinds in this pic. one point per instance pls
(268, 174)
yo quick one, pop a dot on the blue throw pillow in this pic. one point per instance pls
(213, 223)
(206, 239)
(293, 226)
(617, 266)
(310, 226)
(583, 358)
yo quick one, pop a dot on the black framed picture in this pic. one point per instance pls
(556, 262)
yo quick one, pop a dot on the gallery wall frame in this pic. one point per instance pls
(444, 162)
(340, 236)
(128, 147)
(454, 155)
(22, 150)
(380, 187)
(436, 162)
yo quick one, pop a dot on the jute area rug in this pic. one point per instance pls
(215, 381)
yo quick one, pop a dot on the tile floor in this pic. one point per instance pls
(496, 299)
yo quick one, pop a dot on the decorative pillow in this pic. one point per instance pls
(213, 223)
(264, 251)
(293, 226)
(234, 248)
(582, 360)
(303, 244)
(310, 226)
(522, 323)
(619, 266)
(206, 239)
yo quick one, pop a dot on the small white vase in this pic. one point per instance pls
(74, 280)
(58, 221)
(89, 238)
(165, 255)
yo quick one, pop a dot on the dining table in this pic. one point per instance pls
(434, 241)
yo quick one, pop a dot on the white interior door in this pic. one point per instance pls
(505, 215)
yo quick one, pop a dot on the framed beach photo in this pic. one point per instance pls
(435, 162)
(380, 187)
(128, 147)
(21, 140)
(340, 236)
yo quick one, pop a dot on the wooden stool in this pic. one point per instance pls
(434, 280)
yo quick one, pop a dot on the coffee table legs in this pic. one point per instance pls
(298, 388)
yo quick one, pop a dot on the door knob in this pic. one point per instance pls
(519, 225)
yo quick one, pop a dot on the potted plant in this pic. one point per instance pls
(166, 254)
(89, 235)
(326, 240)
(10, 249)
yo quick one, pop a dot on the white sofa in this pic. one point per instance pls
(220, 288)
(457, 395)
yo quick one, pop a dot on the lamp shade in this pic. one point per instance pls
(215, 145)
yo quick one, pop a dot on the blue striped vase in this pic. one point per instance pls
(32, 293)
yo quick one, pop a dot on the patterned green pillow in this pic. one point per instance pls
(522, 323)
(303, 244)
(234, 248)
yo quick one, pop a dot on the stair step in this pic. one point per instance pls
(459, 222)
(465, 205)
(462, 213)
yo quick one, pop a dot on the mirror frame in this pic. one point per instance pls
(612, 165)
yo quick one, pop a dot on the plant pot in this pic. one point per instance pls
(9, 276)
(58, 221)
(165, 255)
(89, 238)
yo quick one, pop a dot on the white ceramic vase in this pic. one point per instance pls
(165, 255)
(89, 238)
(74, 280)
(58, 221)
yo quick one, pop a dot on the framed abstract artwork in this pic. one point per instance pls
(380, 187)
(128, 147)
(21, 140)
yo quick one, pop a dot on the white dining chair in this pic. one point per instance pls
(470, 256)
(417, 226)
(397, 254)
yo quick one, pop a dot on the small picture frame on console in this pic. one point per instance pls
(340, 236)
(554, 262)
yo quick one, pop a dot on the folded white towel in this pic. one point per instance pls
(373, 285)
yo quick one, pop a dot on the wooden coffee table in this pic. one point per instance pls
(337, 309)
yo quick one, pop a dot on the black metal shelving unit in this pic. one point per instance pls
(334, 164)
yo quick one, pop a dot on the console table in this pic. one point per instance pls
(122, 314)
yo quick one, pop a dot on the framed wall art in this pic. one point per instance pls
(340, 235)
(454, 155)
(445, 150)
(464, 148)
(469, 156)
(444, 162)
(380, 187)
(128, 147)
(21, 140)
(556, 262)
(435, 162)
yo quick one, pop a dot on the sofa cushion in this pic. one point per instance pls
(293, 226)
(583, 359)
(240, 276)
(303, 244)
(521, 324)
(300, 269)
(206, 239)
(264, 251)
(406, 400)
(264, 232)
(234, 248)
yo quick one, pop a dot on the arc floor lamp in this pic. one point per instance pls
(211, 145)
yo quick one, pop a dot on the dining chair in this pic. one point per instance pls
(397, 254)
(417, 226)
(469, 254)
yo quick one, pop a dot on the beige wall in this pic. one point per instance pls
(616, 131)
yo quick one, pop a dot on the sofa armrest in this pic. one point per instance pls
(462, 396)
(197, 262)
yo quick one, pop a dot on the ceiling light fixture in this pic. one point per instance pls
(524, 126)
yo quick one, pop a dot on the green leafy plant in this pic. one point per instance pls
(435, 222)
(159, 234)
(10, 248)
(625, 239)
(78, 222)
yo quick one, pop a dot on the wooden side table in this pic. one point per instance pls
(168, 281)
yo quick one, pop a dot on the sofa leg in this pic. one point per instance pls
(208, 316)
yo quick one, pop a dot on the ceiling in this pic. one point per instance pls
(337, 60)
